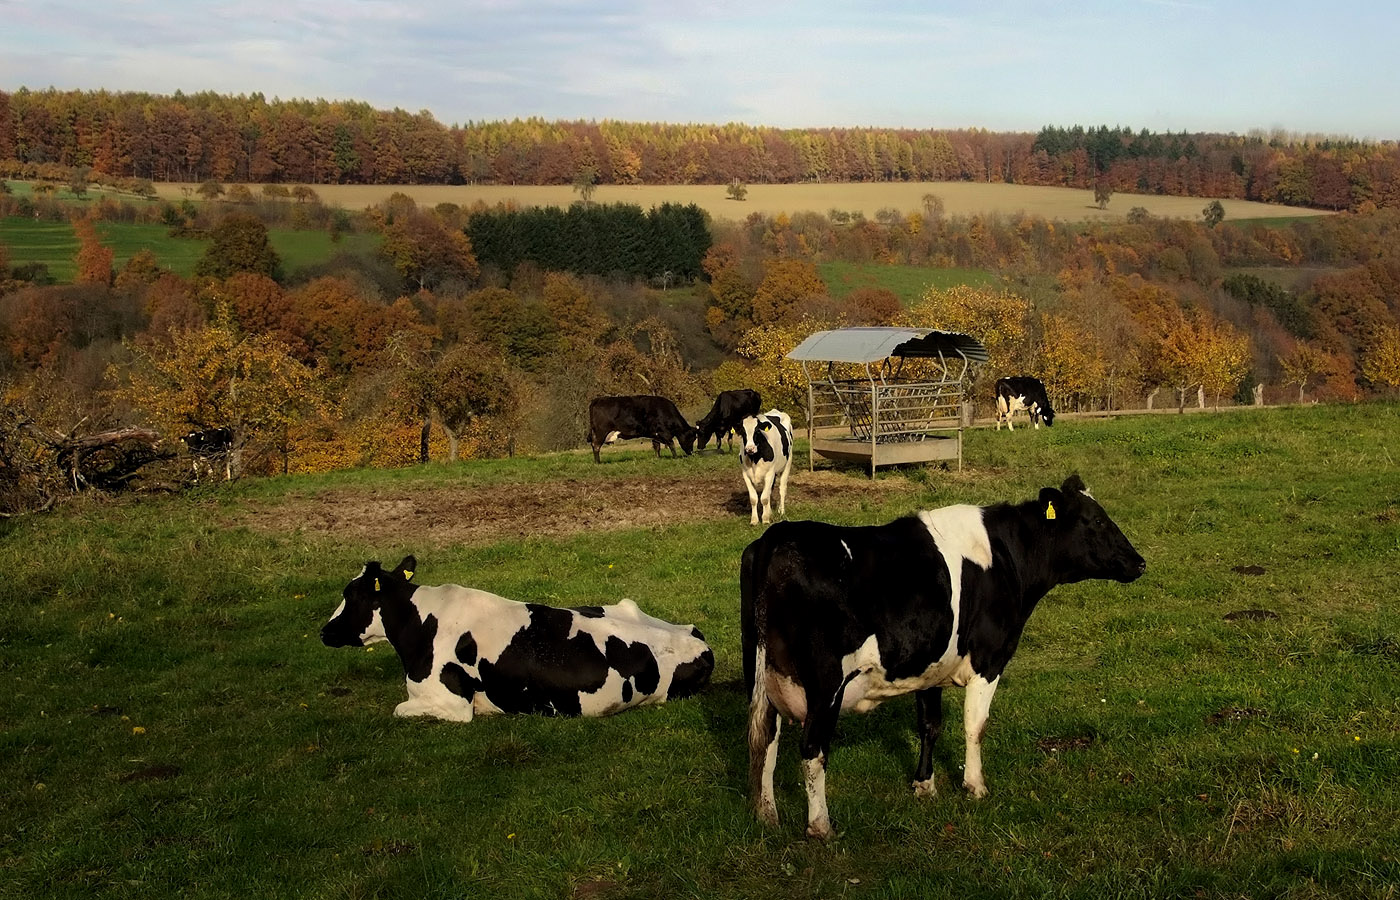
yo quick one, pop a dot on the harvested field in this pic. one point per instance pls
(960, 198)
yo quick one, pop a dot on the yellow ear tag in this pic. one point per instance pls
(376, 584)
(1049, 510)
(407, 574)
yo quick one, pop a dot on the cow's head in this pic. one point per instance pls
(687, 439)
(707, 428)
(1087, 542)
(1047, 415)
(758, 434)
(357, 621)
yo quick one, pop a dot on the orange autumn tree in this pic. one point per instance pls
(94, 259)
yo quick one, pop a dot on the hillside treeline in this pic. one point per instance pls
(420, 349)
(247, 138)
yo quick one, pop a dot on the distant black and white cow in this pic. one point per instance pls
(1022, 392)
(611, 418)
(767, 457)
(467, 653)
(836, 619)
(210, 448)
(724, 417)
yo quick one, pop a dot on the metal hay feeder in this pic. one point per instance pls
(887, 417)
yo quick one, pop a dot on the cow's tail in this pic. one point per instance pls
(763, 730)
(763, 715)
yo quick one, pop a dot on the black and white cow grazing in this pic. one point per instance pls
(842, 618)
(724, 417)
(767, 457)
(466, 652)
(1022, 392)
(610, 418)
(210, 447)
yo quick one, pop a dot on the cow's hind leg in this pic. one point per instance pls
(782, 489)
(817, 732)
(764, 726)
(930, 707)
(977, 704)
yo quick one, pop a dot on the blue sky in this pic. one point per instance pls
(1194, 65)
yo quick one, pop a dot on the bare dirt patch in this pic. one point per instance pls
(486, 514)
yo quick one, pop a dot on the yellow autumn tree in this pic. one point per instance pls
(1072, 365)
(214, 376)
(1380, 358)
(1304, 364)
(997, 318)
(777, 379)
(1199, 351)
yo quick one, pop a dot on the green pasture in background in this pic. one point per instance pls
(55, 245)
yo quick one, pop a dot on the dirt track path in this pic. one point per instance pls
(558, 508)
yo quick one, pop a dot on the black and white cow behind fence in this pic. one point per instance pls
(724, 417)
(838, 619)
(767, 457)
(467, 652)
(210, 449)
(638, 416)
(1022, 392)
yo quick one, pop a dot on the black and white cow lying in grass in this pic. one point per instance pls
(767, 457)
(466, 652)
(839, 619)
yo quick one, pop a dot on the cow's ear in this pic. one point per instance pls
(372, 574)
(1074, 485)
(1048, 498)
(406, 567)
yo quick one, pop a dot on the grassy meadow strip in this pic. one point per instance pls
(173, 727)
(55, 245)
(907, 282)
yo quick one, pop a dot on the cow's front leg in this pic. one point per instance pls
(977, 703)
(930, 706)
(656, 446)
(753, 498)
(453, 710)
(767, 496)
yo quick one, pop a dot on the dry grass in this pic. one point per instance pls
(960, 198)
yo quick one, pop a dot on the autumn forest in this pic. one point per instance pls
(451, 332)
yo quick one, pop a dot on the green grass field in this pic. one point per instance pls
(907, 282)
(173, 727)
(55, 245)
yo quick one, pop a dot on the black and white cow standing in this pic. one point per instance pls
(210, 448)
(838, 619)
(467, 652)
(1022, 392)
(724, 417)
(767, 457)
(641, 415)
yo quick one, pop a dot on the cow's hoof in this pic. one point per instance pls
(768, 815)
(925, 789)
(978, 791)
(821, 830)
